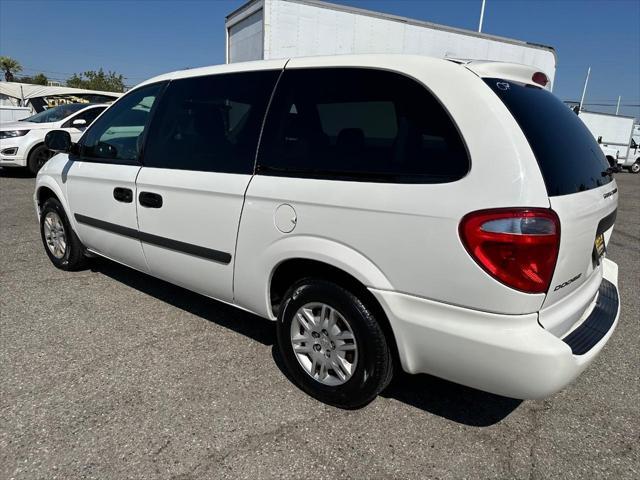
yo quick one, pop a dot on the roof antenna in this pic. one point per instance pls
(584, 90)
(481, 17)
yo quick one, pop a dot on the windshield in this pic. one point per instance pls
(569, 158)
(56, 114)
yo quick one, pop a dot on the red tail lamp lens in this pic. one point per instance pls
(540, 78)
(518, 247)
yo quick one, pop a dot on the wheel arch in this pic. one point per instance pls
(292, 269)
(47, 187)
(32, 147)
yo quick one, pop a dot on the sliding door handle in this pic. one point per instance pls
(124, 195)
(150, 200)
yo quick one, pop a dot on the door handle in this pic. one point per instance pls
(124, 195)
(150, 200)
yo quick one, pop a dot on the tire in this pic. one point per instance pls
(37, 158)
(635, 168)
(53, 225)
(359, 341)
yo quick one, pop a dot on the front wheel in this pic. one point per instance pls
(63, 247)
(37, 158)
(635, 168)
(332, 345)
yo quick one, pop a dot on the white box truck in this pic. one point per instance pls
(632, 163)
(614, 134)
(267, 29)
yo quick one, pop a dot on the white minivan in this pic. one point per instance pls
(386, 211)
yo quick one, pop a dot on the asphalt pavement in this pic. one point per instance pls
(110, 374)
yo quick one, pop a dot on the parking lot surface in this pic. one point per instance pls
(108, 373)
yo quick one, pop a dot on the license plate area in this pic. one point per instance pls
(599, 249)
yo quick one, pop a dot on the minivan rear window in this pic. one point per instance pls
(569, 157)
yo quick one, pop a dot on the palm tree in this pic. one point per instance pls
(9, 66)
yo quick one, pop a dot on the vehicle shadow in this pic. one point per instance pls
(245, 323)
(449, 400)
(15, 172)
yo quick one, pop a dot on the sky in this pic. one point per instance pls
(141, 39)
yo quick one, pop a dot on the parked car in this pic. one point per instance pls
(388, 212)
(22, 142)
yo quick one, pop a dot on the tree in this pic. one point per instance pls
(92, 80)
(9, 66)
(38, 79)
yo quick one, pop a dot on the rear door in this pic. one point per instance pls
(100, 179)
(581, 189)
(199, 159)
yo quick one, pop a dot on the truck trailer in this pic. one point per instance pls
(614, 134)
(270, 29)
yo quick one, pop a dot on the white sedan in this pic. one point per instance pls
(22, 142)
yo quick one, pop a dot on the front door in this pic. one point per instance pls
(198, 162)
(101, 179)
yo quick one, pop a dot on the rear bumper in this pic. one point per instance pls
(509, 355)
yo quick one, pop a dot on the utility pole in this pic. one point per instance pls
(584, 90)
(481, 16)
(618, 106)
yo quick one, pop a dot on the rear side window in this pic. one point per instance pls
(360, 124)
(569, 157)
(211, 123)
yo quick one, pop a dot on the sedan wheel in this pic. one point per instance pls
(38, 157)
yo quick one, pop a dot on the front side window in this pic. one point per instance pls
(117, 135)
(360, 124)
(210, 123)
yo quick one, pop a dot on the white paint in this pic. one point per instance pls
(448, 316)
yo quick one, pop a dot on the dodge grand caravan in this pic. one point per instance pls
(388, 212)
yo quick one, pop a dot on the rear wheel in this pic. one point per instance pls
(37, 158)
(635, 168)
(332, 345)
(60, 242)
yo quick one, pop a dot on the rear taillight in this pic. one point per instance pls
(517, 246)
(540, 78)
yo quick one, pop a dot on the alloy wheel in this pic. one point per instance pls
(324, 343)
(55, 235)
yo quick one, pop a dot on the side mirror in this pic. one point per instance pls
(58, 141)
(79, 122)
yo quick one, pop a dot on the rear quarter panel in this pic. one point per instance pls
(406, 232)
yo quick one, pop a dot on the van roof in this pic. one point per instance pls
(508, 71)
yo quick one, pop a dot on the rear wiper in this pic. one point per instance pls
(609, 171)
